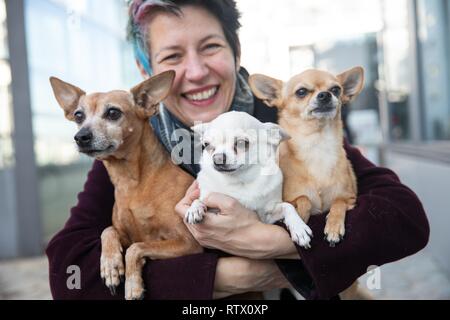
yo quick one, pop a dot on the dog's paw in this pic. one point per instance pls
(195, 213)
(334, 231)
(134, 288)
(301, 234)
(112, 270)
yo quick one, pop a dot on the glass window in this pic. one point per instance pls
(6, 120)
(81, 42)
(431, 99)
(434, 72)
(395, 69)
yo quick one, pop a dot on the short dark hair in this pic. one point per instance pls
(224, 10)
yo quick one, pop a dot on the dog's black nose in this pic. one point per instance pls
(324, 97)
(220, 159)
(84, 137)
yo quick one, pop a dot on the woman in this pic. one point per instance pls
(198, 39)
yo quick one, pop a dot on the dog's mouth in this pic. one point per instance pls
(226, 168)
(96, 152)
(324, 109)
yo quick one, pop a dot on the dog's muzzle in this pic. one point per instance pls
(85, 142)
(84, 138)
(220, 163)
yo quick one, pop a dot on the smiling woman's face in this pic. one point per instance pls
(194, 45)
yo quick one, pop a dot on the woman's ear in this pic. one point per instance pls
(238, 57)
(142, 70)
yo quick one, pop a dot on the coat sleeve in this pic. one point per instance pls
(79, 245)
(388, 224)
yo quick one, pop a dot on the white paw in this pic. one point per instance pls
(112, 271)
(301, 234)
(134, 288)
(195, 213)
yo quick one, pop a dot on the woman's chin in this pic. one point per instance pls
(203, 114)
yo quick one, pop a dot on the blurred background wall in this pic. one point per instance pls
(402, 120)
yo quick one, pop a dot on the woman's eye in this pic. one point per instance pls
(336, 91)
(212, 47)
(171, 58)
(302, 92)
(79, 117)
(113, 114)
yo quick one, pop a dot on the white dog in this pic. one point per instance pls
(239, 160)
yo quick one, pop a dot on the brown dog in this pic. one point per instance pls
(114, 128)
(317, 174)
(318, 177)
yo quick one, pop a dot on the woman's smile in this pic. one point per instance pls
(202, 97)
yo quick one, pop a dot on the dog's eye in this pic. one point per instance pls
(113, 114)
(241, 144)
(79, 117)
(302, 92)
(336, 91)
(207, 146)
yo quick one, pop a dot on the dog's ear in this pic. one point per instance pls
(268, 89)
(352, 82)
(276, 134)
(148, 94)
(67, 95)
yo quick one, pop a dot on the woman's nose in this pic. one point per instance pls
(196, 68)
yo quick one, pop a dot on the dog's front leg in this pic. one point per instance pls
(304, 206)
(300, 232)
(111, 261)
(335, 226)
(138, 252)
(196, 212)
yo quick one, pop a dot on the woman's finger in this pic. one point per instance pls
(192, 194)
(220, 201)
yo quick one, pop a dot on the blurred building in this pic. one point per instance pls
(402, 119)
(415, 108)
(41, 172)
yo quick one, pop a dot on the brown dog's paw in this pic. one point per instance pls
(134, 288)
(112, 271)
(334, 231)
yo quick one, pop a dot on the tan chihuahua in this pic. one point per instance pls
(318, 177)
(114, 128)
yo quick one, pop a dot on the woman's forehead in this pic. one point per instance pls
(194, 24)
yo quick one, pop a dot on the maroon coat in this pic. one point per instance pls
(388, 224)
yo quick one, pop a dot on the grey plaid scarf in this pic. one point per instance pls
(180, 141)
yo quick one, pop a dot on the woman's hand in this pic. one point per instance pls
(236, 230)
(237, 275)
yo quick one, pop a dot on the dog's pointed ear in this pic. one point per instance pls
(67, 95)
(151, 92)
(352, 82)
(268, 89)
(276, 134)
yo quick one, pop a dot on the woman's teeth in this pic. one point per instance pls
(205, 95)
